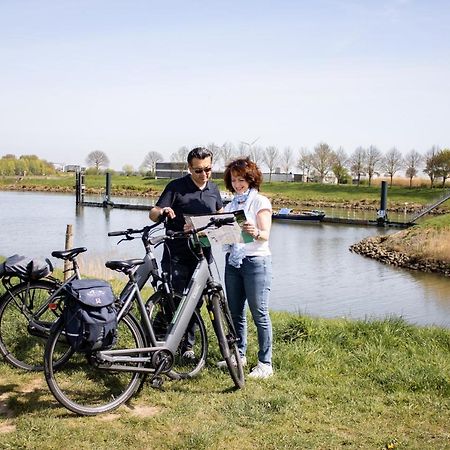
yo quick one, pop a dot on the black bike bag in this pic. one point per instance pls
(89, 315)
(25, 268)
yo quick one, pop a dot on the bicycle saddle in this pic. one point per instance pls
(124, 266)
(68, 254)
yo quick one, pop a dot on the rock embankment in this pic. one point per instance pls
(377, 247)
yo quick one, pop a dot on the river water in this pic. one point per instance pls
(314, 273)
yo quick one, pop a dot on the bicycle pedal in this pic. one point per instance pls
(157, 382)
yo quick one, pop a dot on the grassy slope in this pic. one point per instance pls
(428, 240)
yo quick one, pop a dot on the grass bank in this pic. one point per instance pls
(424, 247)
(281, 193)
(338, 384)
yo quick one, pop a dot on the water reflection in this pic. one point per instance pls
(314, 272)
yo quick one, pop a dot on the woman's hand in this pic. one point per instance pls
(251, 229)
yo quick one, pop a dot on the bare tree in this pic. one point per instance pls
(374, 157)
(339, 165)
(180, 155)
(215, 150)
(128, 169)
(97, 159)
(430, 163)
(357, 163)
(150, 160)
(443, 165)
(257, 154)
(412, 161)
(322, 159)
(227, 152)
(304, 162)
(287, 159)
(244, 150)
(392, 162)
(271, 157)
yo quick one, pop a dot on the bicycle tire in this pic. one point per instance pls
(160, 317)
(20, 346)
(82, 387)
(226, 335)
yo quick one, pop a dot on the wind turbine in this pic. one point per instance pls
(250, 145)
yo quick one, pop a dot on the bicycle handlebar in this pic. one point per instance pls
(129, 231)
(214, 221)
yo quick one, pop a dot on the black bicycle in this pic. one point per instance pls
(96, 382)
(29, 308)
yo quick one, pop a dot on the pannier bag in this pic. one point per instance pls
(25, 268)
(90, 317)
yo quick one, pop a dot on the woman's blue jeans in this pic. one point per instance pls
(251, 282)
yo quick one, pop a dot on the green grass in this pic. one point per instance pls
(438, 223)
(338, 384)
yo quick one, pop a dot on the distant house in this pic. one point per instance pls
(59, 167)
(170, 169)
(330, 177)
(278, 176)
(74, 168)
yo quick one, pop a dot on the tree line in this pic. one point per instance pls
(10, 165)
(323, 160)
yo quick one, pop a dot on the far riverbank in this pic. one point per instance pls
(294, 195)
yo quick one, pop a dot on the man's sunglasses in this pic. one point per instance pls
(203, 169)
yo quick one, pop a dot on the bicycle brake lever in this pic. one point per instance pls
(126, 238)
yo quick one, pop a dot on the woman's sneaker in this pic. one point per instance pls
(189, 354)
(223, 364)
(262, 370)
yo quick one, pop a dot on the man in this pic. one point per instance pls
(191, 194)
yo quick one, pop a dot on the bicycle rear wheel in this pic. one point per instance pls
(226, 335)
(81, 386)
(186, 365)
(22, 345)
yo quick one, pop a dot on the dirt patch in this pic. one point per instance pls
(144, 411)
(7, 428)
(33, 385)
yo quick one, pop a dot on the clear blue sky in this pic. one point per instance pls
(128, 77)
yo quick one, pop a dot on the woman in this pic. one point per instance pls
(248, 269)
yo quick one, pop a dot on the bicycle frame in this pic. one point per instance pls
(175, 333)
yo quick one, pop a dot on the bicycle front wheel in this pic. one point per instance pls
(191, 354)
(21, 344)
(81, 386)
(226, 335)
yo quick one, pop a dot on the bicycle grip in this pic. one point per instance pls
(117, 233)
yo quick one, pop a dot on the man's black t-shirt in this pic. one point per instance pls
(185, 197)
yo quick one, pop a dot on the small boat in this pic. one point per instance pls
(313, 215)
(226, 197)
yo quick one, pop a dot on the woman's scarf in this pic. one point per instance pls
(242, 201)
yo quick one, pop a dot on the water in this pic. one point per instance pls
(314, 272)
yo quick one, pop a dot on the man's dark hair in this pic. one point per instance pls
(199, 153)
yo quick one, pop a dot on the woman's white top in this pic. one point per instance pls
(258, 203)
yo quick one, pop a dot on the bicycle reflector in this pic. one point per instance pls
(53, 306)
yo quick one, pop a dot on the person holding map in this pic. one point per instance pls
(248, 268)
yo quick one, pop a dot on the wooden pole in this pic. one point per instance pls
(69, 245)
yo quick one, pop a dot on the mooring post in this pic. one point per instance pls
(382, 216)
(77, 188)
(107, 201)
(69, 245)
